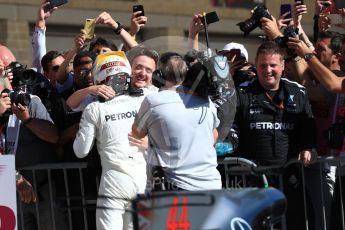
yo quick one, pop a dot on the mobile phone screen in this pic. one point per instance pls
(137, 8)
(89, 28)
(285, 8)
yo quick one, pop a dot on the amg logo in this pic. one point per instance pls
(270, 125)
(120, 116)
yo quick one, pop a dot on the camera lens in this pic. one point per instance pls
(248, 26)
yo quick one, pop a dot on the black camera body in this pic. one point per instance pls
(335, 135)
(21, 75)
(253, 22)
(289, 32)
(18, 97)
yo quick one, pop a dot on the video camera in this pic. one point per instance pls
(210, 76)
(253, 22)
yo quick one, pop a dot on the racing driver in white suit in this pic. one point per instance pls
(108, 123)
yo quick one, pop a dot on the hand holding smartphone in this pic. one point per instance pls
(89, 28)
(137, 8)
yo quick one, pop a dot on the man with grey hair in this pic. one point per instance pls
(181, 126)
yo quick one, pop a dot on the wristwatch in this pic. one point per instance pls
(308, 56)
(119, 28)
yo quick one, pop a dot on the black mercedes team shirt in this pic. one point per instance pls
(272, 127)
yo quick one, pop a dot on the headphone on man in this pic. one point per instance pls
(158, 76)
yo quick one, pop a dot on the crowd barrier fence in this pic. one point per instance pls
(69, 190)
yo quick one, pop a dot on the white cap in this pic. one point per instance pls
(234, 45)
(109, 64)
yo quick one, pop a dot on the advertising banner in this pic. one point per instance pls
(8, 208)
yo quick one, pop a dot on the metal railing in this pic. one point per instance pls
(64, 187)
(312, 181)
(68, 184)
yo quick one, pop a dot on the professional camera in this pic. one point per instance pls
(17, 96)
(289, 32)
(210, 76)
(21, 75)
(250, 24)
(335, 135)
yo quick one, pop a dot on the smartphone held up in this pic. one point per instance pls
(140, 8)
(89, 28)
(286, 8)
(56, 3)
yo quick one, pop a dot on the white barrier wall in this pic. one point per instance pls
(8, 208)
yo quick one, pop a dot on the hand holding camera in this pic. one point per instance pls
(270, 27)
(259, 12)
(299, 47)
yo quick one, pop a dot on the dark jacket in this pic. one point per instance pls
(267, 134)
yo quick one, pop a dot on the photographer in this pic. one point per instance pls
(30, 136)
(181, 126)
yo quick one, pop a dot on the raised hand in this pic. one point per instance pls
(137, 22)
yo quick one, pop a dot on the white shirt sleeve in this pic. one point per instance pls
(87, 131)
(38, 48)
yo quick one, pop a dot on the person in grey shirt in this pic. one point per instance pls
(181, 127)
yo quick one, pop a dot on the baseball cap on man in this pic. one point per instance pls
(234, 45)
(110, 64)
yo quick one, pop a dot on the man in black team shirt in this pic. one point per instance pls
(274, 123)
(273, 120)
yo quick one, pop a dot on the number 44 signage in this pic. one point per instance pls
(8, 208)
(181, 223)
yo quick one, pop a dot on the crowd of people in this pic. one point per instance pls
(147, 122)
